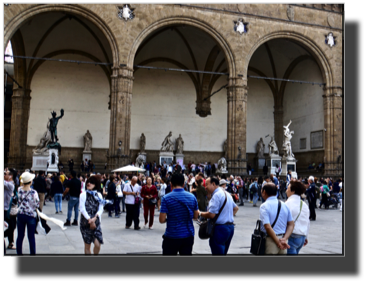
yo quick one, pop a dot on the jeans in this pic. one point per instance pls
(122, 202)
(255, 198)
(12, 224)
(220, 241)
(241, 195)
(116, 206)
(58, 199)
(73, 202)
(295, 245)
(183, 246)
(31, 223)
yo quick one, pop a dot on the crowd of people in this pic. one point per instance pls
(180, 194)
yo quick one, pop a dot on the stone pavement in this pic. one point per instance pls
(325, 235)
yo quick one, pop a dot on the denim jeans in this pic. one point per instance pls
(73, 203)
(31, 223)
(220, 241)
(115, 206)
(58, 199)
(255, 198)
(295, 245)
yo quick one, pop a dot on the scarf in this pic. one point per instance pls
(98, 198)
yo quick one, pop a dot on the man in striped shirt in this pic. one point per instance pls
(178, 208)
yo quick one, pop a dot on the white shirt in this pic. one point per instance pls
(302, 224)
(162, 191)
(82, 207)
(129, 199)
(119, 190)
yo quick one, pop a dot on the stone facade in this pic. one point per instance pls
(305, 25)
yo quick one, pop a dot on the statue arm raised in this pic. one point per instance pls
(61, 114)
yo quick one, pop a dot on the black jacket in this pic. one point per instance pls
(56, 187)
(40, 184)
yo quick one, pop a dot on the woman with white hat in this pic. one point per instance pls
(28, 202)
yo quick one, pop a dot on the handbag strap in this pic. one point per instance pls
(301, 205)
(279, 209)
(220, 210)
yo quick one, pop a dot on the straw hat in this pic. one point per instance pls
(27, 177)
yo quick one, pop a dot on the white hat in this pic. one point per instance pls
(223, 181)
(311, 178)
(27, 177)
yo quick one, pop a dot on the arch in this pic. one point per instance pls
(25, 15)
(190, 22)
(61, 52)
(174, 62)
(307, 43)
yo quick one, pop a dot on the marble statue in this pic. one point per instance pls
(140, 161)
(88, 141)
(167, 144)
(44, 141)
(222, 165)
(260, 147)
(273, 149)
(53, 125)
(179, 145)
(142, 143)
(225, 148)
(287, 141)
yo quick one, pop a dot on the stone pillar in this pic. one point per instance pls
(333, 135)
(237, 126)
(120, 126)
(19, 123)
(278, 126)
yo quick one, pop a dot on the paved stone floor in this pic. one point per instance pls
(325, 236)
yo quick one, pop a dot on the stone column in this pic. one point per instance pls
(237, 126)
(18, 131)
(120, 126)
(333, 134)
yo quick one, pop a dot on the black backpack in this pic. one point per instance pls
(253, 188)
(259, 190)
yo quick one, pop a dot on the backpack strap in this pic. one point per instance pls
(301, 205)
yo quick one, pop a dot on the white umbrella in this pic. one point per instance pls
(129, 169)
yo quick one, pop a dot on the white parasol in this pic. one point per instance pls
(128, 169)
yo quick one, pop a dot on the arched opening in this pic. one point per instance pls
(164, 101)
(272, 103)
(82, 90)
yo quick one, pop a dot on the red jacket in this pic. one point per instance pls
(146, 191)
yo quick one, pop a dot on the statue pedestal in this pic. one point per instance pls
(289, 163)
(53, 160)
(259, 163)
(167, 157)
(40, 161)
(179, 158)
(86, 155)
(273, 162)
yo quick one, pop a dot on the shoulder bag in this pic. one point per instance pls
(137, 199)
(258, 239)
(206, 229)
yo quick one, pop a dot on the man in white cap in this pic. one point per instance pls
(311, 196)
